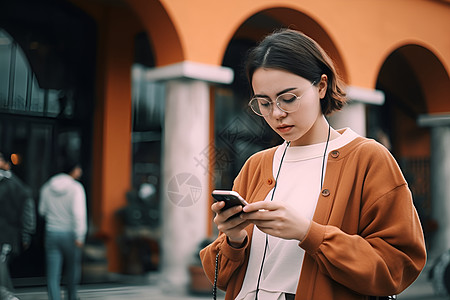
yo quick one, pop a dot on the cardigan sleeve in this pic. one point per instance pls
(386, 251)
(230, 259)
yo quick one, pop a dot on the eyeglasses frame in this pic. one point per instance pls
(278, 103)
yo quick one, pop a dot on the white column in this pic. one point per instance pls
(185, 176)
(185, 182)
(353, 114)
(440, 179)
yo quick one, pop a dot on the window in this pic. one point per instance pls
(19, 89)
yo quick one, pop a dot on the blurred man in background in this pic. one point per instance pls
(63, 205)
(17, 222)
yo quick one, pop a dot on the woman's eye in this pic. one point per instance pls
(288, 98)
(264, 103)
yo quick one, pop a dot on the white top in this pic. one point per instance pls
(63, 204)
(299, 185)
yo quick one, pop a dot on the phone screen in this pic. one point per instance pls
(231, 198)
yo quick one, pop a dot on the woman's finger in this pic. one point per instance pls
(217, 206)
(262, 205)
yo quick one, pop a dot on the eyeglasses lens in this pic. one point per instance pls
(287, 102)
(261, 106)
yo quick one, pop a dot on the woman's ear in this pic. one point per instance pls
(323, 84)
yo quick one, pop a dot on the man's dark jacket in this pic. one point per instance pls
(17, 217)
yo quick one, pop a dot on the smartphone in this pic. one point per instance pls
(231, 198)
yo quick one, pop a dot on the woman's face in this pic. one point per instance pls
(301, 127)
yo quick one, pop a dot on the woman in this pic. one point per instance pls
(330, 215)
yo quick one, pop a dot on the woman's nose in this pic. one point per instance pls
(277, 112)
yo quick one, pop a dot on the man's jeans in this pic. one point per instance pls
(61, 250)
(6, 286)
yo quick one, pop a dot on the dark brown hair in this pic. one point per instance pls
(293, 51)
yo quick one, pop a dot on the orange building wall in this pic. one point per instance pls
(159, 27)
(205, 28)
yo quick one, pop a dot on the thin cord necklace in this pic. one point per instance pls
(324, 155)
(271, 198)
(273, 193)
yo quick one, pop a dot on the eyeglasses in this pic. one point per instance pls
(287, 102)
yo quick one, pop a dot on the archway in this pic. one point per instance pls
(413, 81)
(167, 46)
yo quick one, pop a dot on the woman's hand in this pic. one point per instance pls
(233, 228)
(277, 219)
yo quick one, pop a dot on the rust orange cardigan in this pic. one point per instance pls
(365, 237)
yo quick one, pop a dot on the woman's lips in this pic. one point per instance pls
(284, 128)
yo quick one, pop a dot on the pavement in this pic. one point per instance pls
(122, 287)
(147, 287)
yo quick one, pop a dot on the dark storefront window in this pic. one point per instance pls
(19, 89)
(141, 215)
(47, 73)
(30, 116)
(148, 100)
